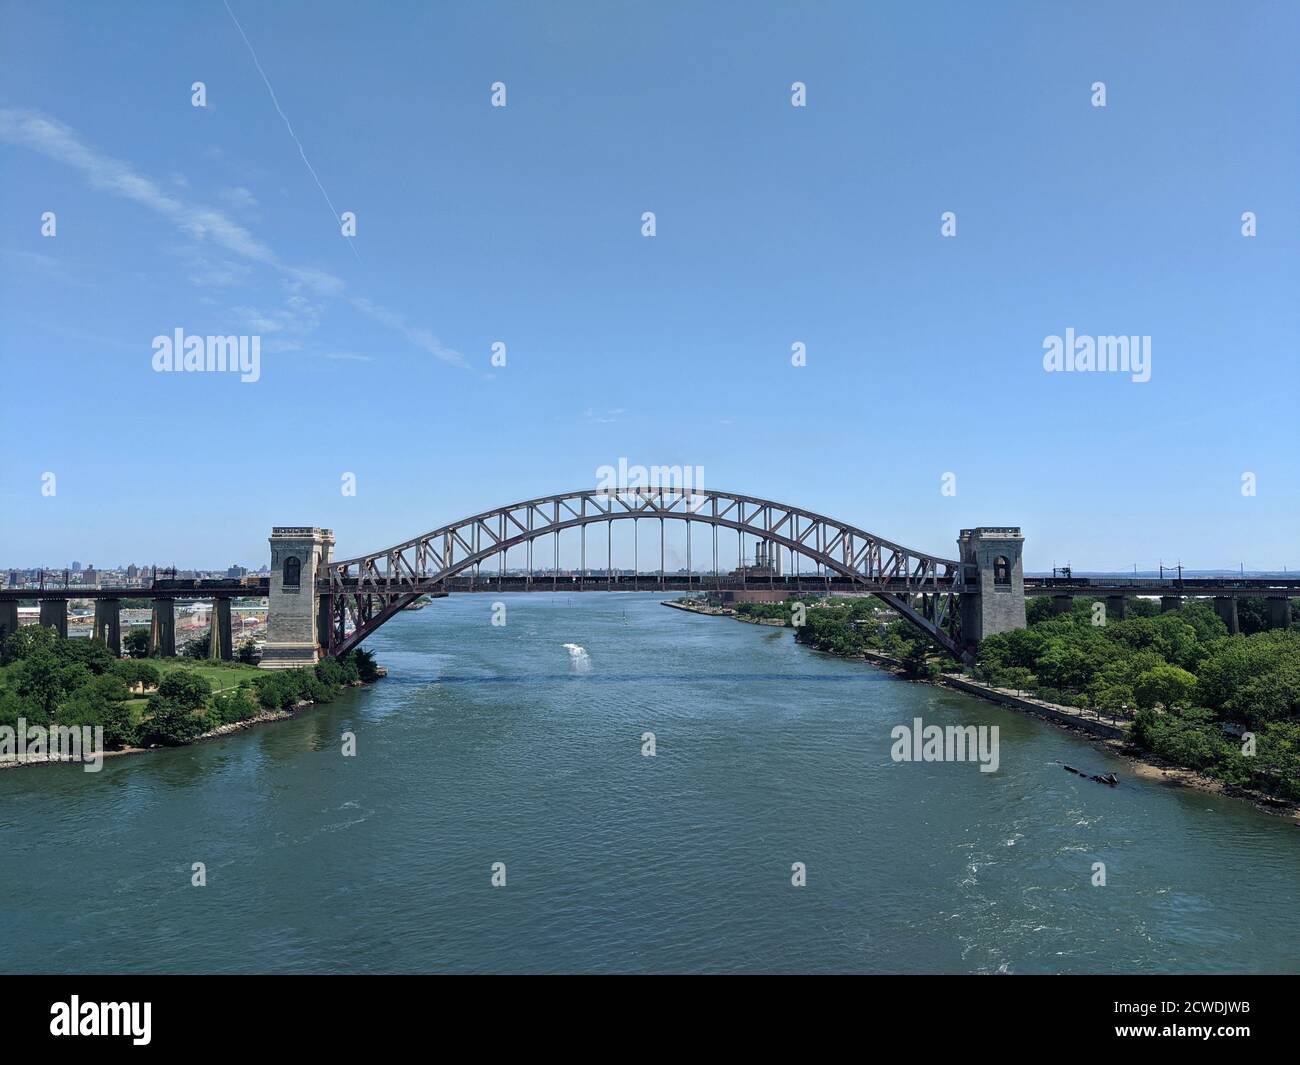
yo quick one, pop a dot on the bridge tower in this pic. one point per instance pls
(297, 555)
(992, 559)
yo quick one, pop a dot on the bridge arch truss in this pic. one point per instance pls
(370, 589)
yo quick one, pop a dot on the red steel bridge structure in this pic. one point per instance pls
(367, 590)
(955, 601)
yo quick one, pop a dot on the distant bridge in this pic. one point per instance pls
(321, 607)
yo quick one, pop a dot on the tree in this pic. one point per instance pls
(1113, 699)
(916, 661)
(248, 653)
(28, 639)
(199, 647)
(44, 680)
(1017, 678)
(119, 726)
(136, 643)
(185, 688)
(1167, 686)
(14, 706)
(134, 672)
(93, 654)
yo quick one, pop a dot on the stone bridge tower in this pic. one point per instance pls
(992, 559)
(298, 554)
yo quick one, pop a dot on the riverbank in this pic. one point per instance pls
(726, 612)
(262, 715)
(1113, 735)
(222, 730)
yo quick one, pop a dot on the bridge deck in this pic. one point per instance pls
(1235, 587)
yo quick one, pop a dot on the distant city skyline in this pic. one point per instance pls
(924, 406)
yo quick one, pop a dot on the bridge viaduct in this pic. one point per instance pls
(319, 606)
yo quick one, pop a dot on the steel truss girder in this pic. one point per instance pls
(397, 575)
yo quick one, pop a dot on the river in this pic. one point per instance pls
(495, 744)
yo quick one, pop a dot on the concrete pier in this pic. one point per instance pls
(1226, 607)
(108, 624)
(1279, 613)
(8, 618)
(1062, 604)
(162, 629)
(1170, 602)
(219, 629)
(54, 615)
(1116, 608)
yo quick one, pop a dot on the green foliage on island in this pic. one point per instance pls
(781, 612)
(1190, 689)
(850, 626)
(48, 679)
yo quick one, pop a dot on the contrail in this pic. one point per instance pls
(288, 125)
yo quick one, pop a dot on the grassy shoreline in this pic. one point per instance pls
(51, 684)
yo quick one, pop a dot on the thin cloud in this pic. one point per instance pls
(53, 139)
(239, 197)
(417, 335)
(58, 142)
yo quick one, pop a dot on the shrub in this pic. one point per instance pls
(232, 706)
(168, 723)
(330, 672)
(367, 670)
(275, 691)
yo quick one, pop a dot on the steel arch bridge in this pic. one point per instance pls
(369, 589)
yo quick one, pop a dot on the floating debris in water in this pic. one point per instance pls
(1100, 778)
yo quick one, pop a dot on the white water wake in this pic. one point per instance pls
(578, 658)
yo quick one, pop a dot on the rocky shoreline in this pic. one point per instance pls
(1144, 764)
(727, 612)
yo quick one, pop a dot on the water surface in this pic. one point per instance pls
(492, 744)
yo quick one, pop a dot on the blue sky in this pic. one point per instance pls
(775, 224)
